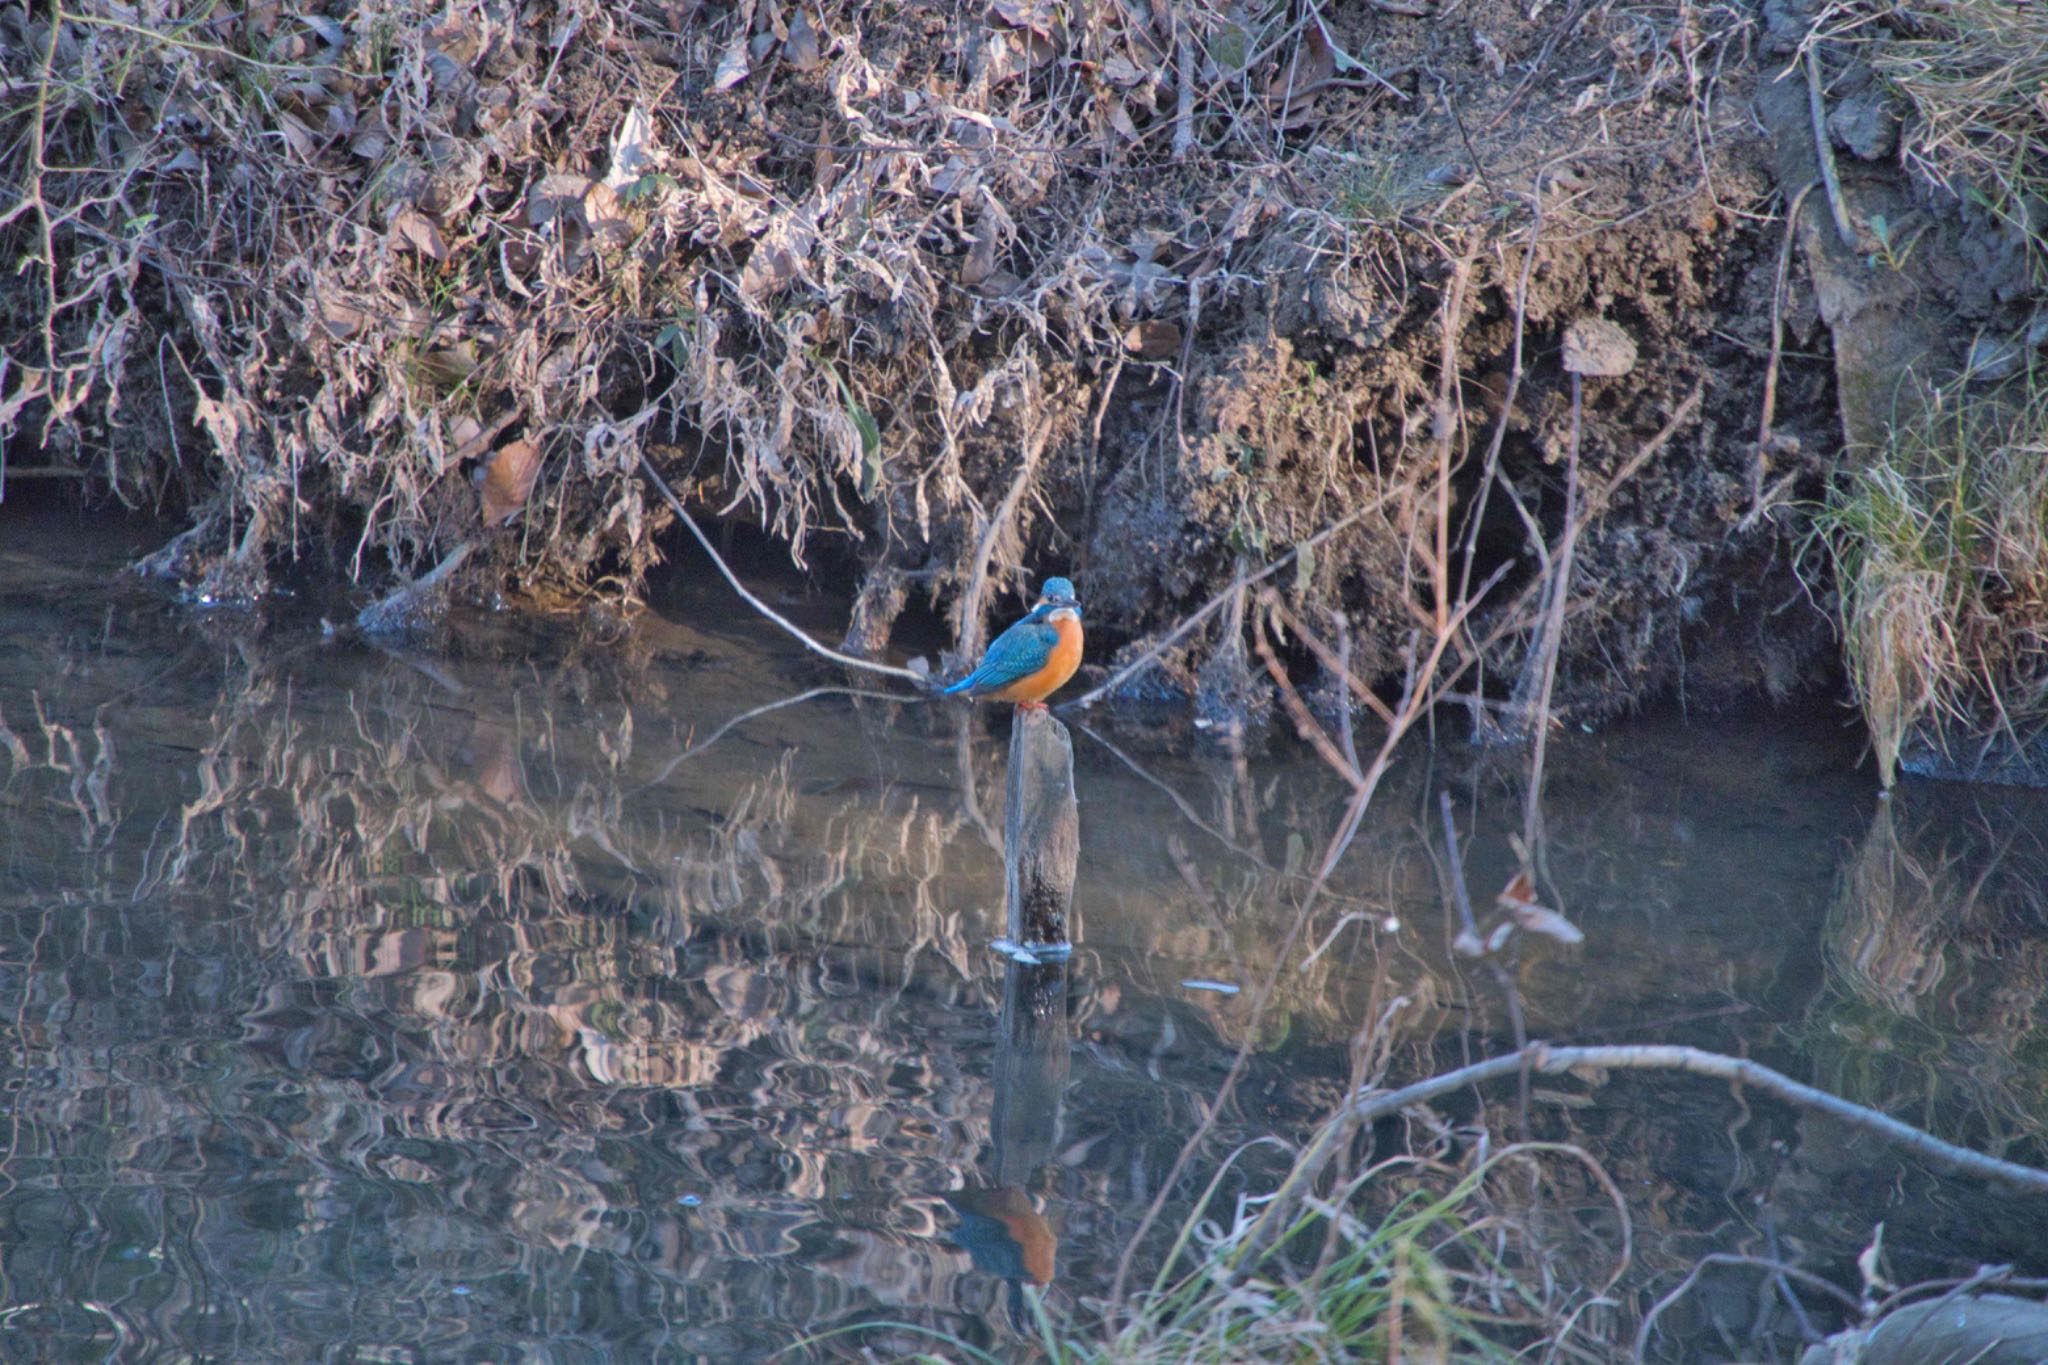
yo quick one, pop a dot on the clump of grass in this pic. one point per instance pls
(1940, 550)
(1383, 1286)
(1972, 72)
(1407, 1260)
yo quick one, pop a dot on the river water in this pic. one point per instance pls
(531, 999)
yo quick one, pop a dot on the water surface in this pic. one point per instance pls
(511, 1001)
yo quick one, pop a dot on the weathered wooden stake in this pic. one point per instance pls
(1041, 829)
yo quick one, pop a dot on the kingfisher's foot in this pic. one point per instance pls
(1031, 706)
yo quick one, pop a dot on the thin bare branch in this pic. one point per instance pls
(790, 627)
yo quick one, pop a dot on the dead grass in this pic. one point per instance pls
(1408, 1260)
(1933, 1004)
(972, 290)
(1940, 550)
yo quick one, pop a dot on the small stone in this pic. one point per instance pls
(1597, 346)
(1866, 125)
(1786, 23)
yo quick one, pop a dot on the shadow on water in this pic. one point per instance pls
(509, 1001)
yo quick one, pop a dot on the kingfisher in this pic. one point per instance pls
(1034, 658)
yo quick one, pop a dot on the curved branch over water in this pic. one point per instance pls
(848, 660)
(1542, 1057)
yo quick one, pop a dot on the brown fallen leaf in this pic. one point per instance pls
(801, 47)
(778, 258)
(506, 480)
(981, 257)
(555, 196)
(412, 228)
(341, 319)
(1313, 64)
(1152, 340)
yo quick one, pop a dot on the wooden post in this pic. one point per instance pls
(1041, 829)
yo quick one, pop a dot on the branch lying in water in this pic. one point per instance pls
(1541, 1057)
(848, 660)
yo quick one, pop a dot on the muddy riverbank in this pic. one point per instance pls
(944, 301)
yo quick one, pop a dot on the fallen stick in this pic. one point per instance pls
(1770, 405)
(1824, 152)
(848, 660)
(418, 603)
(1541, 1057)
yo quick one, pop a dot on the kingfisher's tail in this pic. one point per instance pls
(957, 688)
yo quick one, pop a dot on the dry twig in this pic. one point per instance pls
(789, 627)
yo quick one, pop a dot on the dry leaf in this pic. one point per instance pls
(632, 149)
(802, 46)
(1152, 340)
(1314, 62)
(412, 228)
(507, 479)
(342, 320)
(981, 257)
(732, 66)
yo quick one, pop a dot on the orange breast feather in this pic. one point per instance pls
(1059, 666)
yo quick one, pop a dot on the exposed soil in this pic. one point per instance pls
(1145, 294)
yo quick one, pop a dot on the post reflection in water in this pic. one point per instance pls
(1000, 1226)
